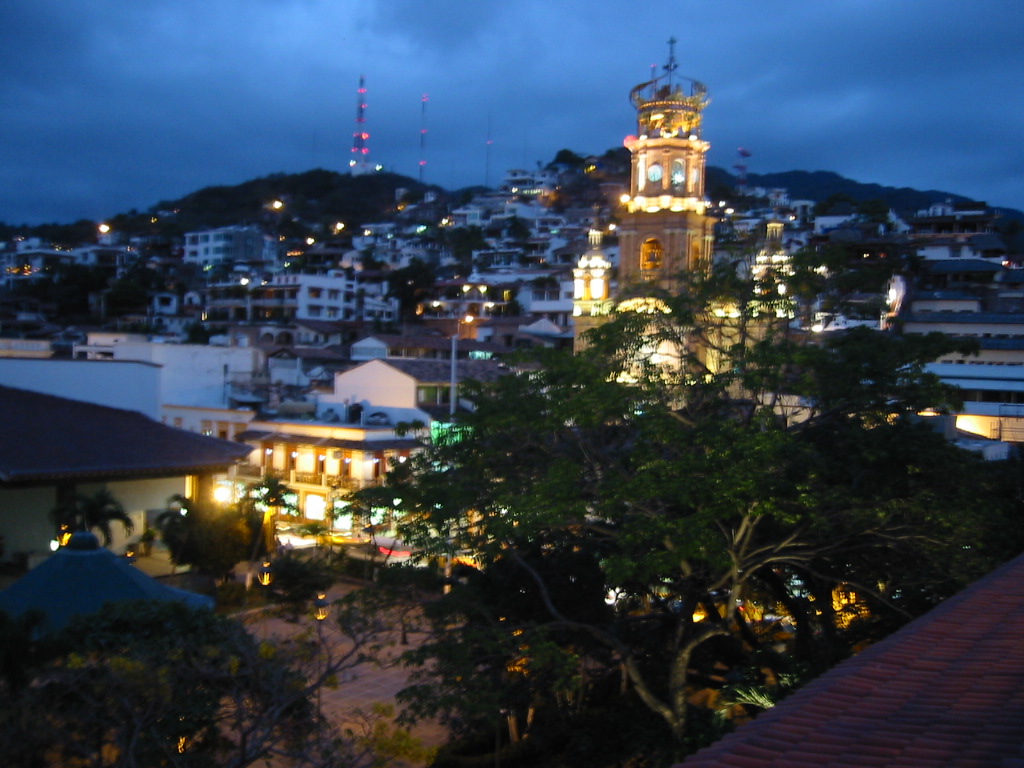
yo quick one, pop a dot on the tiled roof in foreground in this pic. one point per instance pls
(946, 690)
(44, 439)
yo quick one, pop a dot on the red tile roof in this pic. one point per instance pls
(946, 690)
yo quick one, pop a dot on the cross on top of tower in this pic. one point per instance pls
(671, 66)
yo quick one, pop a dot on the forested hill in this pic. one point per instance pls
(821, 185)
(320, 196)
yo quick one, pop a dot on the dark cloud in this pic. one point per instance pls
(117, 105)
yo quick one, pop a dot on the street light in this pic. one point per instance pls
(265, 574)
(321, 607)
(321, 610)
(453, 396)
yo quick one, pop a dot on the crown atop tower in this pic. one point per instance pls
(669, 105)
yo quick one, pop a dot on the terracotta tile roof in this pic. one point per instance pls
(45, 438)
(946, 690)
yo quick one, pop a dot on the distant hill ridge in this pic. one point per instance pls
(319, 195)
(820, 185)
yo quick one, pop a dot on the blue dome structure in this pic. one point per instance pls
(81, 578)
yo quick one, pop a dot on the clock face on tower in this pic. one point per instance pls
(654, 173)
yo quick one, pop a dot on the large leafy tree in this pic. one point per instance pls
(719, 469)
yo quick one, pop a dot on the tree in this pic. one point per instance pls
(160, 684)
(126, 296)
(717, 468)
(297, 580)
(410, 284)
(209, 537)
(263, 502)
(97, 511)
(568, 158)
(462, 241)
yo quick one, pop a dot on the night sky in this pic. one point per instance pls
(111, 105)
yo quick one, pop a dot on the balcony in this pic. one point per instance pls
(320, 481)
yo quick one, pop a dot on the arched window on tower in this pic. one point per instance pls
(651, 255)
(678, 176)
(696, 257)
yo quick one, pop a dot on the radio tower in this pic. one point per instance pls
(741, 170)
(423, 135)
(359, 163)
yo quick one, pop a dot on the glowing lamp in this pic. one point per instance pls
(265, 574)
(321, 608)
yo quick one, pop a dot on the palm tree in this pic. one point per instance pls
(96, 511)
(271, 497)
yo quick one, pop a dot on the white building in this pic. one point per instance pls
(333, 295)
(228, 245)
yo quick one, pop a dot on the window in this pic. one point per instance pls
(651, 255)
(431, 395)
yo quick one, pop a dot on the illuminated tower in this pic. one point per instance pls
(360, 160)
(591, 290)
(665, 230)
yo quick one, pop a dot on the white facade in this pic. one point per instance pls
(131, 385)
(194, 374)
(377, 387)
(227, 244)
(335, 295)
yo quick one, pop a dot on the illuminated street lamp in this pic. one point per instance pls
(453, 396)
(265, 574)
(321, 607)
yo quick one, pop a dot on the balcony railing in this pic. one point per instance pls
(321, 480)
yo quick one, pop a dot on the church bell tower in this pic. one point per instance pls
(664, 230)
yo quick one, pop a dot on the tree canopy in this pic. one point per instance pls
(704, 494)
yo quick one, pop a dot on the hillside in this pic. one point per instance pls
(318, 198)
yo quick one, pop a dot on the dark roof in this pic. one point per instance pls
(1014, 276)
(326, 327)
(957, 266)
(944, 296)
(80, 578)
(440, 370)
(333, 353)
(45, 438)
(965, 318)
(435, 342)
(946, 690)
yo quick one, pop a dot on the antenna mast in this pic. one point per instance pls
(359, 164)
(423, 135)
